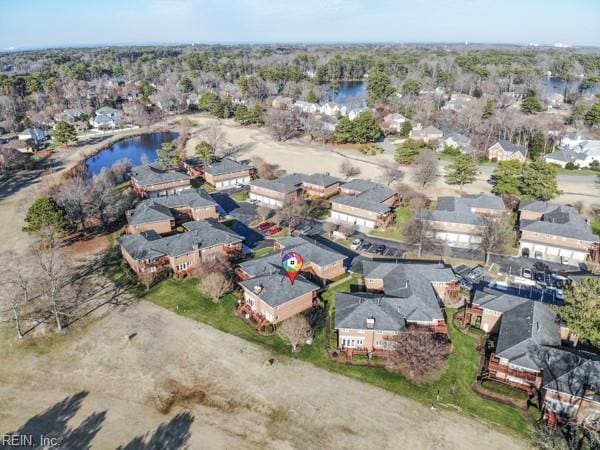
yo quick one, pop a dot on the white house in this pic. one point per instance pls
(306, 107)
(582, 154)
(394, 121)
(106, 117)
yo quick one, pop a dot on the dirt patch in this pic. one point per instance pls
(173, 364)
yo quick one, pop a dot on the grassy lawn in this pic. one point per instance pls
(403, 216)
(505, 390)
(453, 387)
(596, 226)
(263, 252)
(240, 196)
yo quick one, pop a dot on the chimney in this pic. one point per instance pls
(370, 323)
(257, 289)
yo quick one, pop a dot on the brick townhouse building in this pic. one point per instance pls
(152, 181)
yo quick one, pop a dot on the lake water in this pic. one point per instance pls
(557, 85)
(134, 149)
(351, 94)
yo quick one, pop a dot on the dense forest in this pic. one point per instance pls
(36, 87)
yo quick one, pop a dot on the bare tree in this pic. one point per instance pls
(266, 170)
(54, 277)
(106, 201)
(329, 228)
(296, 330)
(348, 170)
(17, 288)
(347, 229)
(392, 174)
(147, 278)
(75, 197)
(417, 353)
(214, 136)
(291, 213)
(283, 124)
(496, 235)
(426, 167)
(420, 231)
(216, 285)
(264, 212)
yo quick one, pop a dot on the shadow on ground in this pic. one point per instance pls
(50, 429)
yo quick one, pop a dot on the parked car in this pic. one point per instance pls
(365, 247)
(356, 243)
(476, 274)
(464, 283)
(253, 201)
(273, 230)
(526, 273)
(560, 295)
(264, 226)
(380, 250)
(305, 229)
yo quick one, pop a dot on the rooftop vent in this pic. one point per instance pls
(257, 289)
(370, 322)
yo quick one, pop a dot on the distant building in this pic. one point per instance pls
(228, 173)
(151, 181)
(557, 233)
(458, 220)
(456, 140)
(577, 150)
(504, 150)
(393, 122)
(276, 193)
(106, 117)
(427, 134)
(281, 102)
(159, 214)
(458, 102)
(364, 204)
(33, 138)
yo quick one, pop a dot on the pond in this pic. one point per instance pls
(137, 149)
(558, 85)
(351, 94)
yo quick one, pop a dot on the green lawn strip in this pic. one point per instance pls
(453, 387)
(403, 216)
(240, 196)
(503, 389)
(263, 252)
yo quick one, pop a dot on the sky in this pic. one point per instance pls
(58, 23)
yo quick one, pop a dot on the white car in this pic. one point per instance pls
(356, 243)
(253, 201)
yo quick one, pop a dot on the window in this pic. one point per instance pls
(183, 266)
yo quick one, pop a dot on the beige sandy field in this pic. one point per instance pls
(240, 401)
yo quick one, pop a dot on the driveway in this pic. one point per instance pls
(242, 211)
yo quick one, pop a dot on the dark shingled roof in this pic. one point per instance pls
(276, 288)
(570, 372)
(499, 303)
(413, 282)
(558, 220)
(147, 175)
(370, 196)
(525, 327)
(158, 209)
(509, 147)
(226, 165)
(461, 209)
(275, 185)
(203, 234)
(311, 251)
